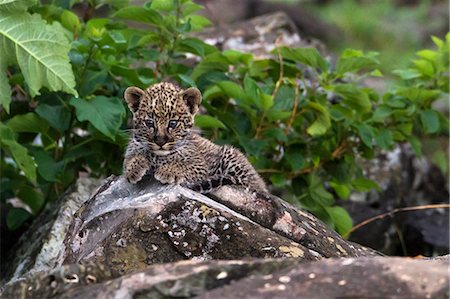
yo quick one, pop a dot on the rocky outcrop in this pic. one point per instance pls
(159, 240)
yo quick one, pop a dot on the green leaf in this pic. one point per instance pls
(15, 5)
(29, 122)
(33, 198)
(295, 158)
(342, 220)
(5, 90)
(430, 121)
(384, 138)
(18, 152)
(322, 123)
(366, 135)
(425, 67)
(41, 51)
(58, 117)
(198, 22)
(317, 191)
(47, 167)
(190, 7)
(381, 113)
(105, 114)
(164, 5)
(208, 122)
(278, 180)
(16, 217)
(419, 94)
(307, 56)
(232, 90)
(342, 190)
(139, 14)
(416, 145)
(70, 21)
(354, 96)
(214, 61)
(353, 61)
(364, 185)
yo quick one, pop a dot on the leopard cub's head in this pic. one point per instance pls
(163, 115)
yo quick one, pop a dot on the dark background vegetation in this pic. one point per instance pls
(304, 119)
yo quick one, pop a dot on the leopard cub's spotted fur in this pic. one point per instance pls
(164, 145)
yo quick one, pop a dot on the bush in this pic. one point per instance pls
(301, 120)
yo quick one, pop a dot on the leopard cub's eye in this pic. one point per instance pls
(172, 124)
(150, 123)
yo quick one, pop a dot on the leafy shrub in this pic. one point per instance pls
(301, 120)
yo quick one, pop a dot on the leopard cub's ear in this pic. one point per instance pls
(133, 96)
(192, 97)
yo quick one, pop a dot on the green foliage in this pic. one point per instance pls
(300, 120)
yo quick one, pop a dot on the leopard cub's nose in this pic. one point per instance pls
(160, 140)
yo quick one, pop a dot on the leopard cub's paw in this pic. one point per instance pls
(167, 176)
(135, 169)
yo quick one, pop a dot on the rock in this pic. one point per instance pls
(376, 277)
(346, 278)
(38, 247)
(258, 35)
(127, 227)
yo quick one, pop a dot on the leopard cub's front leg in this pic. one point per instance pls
(135, 167)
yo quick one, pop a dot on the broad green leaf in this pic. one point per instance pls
(190, 7)
(232, 90)
(322, 122)
(198, 22)
(33, 198)
(207, 121)
(18, 152)
(105, 114)
(29, 122)
(195, 46)
(342, 220)
(428, 55)
(15, 5)
(364, 185)
(164, 5)
(215, 61)
(384, 138)
(139, 14)
(366, 134)
(342, 190)
(354, 96)
(58, 117)
(416, 145)
(48, 168)
(419, 94)
(278, 180)
(5, 90)
(41, 51)
(16, 217)
(353, 61)
(408, 74)
(381, 113)
(317, 191)
(307, 56)
(430, 121)
(70, 21)
(425, 67)
(187, 80)
(295, 158)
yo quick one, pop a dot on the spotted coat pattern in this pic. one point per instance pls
(164, 145)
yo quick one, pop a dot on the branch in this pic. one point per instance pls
(395, 211)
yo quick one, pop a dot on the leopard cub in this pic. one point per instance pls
(164, 145)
